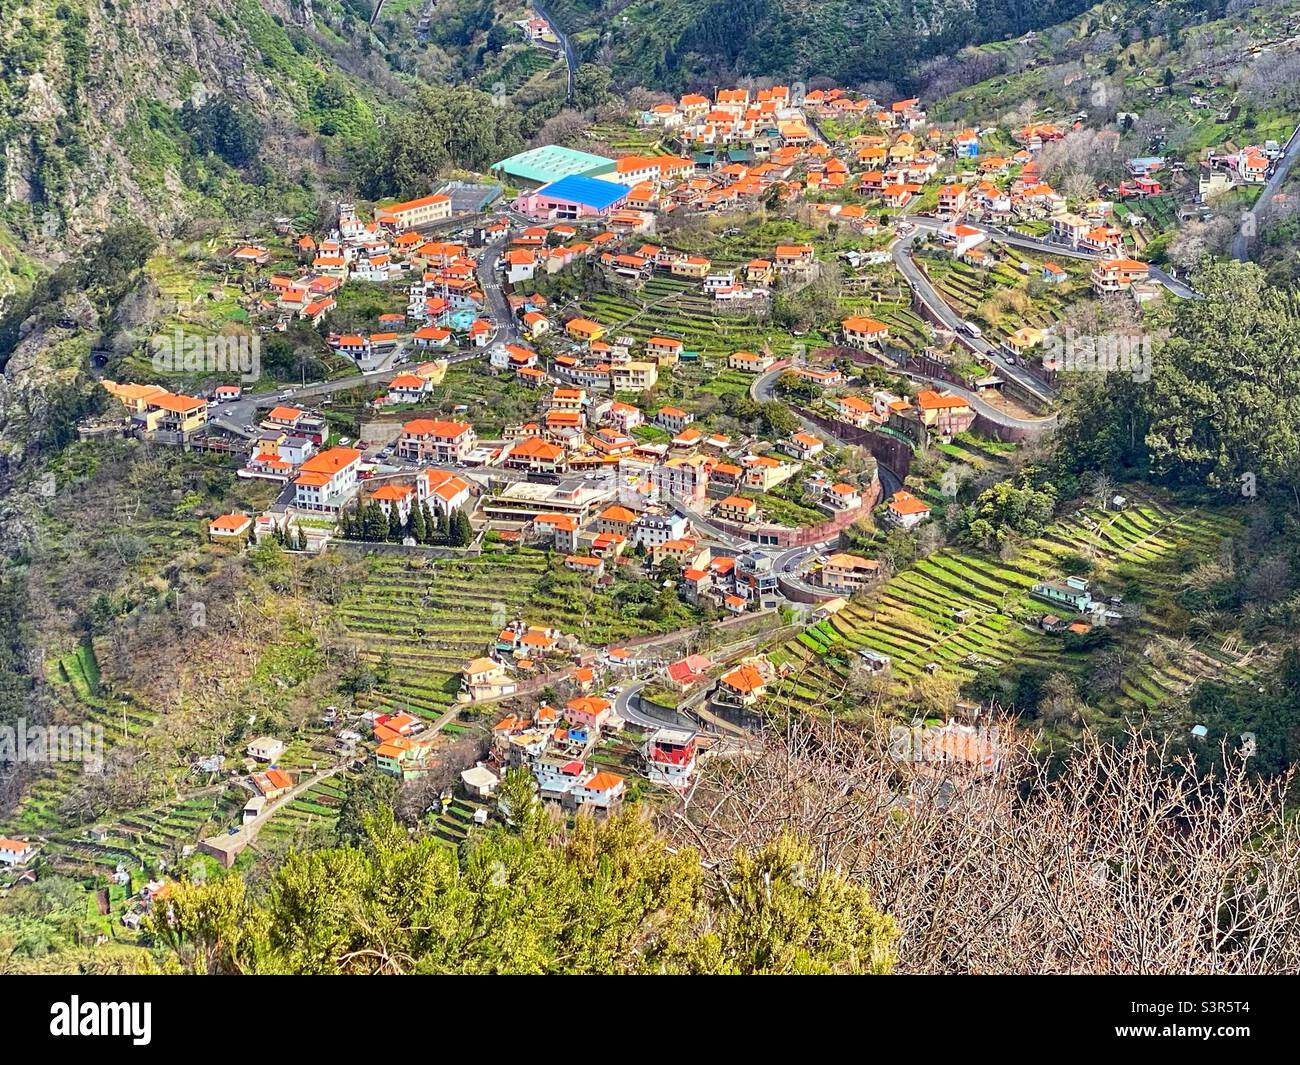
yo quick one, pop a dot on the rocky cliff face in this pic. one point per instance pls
(91, 92)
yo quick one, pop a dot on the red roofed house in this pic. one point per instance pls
(415, 213)
(230, 527)
(863, 333)
(589, 710)
(327, 480)
(689, 671)
(743, 686)
(905, 510)
(948, 414)
(435, 440)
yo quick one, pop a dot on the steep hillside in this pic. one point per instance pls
(171, 110)
(674, 43)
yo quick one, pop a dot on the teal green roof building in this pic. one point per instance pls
(541, 166)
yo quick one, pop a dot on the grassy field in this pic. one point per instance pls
(1142, 551)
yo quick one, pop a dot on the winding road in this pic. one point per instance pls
(566, 46)
(1241, 239)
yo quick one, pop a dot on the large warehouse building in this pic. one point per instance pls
(541, 166)
(574, 197)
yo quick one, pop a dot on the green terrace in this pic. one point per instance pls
(962, 611)
(315, 809)
(417, 622)
(1005, 296)
(679, 308)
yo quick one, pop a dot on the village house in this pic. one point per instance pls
(906, 511)
(856, 411)
(864, 333)
(842, 496)
(845, 573)
(230, 527)
(749, 361)
(736, 509)
(326, 481)
(1117, 275)
(804, 445)
(946, 414)
(435, 441)
(265, 748)
(743, 686)
(412, 214)
(670, 756)
(15, 852)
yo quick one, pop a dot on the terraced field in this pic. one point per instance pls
(678, 308)
(916, 621)
(967, 287)
(426, 619)
(423, 620)
(315, 808)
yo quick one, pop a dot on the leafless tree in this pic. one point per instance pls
(1126, 858)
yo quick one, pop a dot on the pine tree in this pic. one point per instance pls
(302, 538)
(374, 526)
(444, 527)
(415, 527)
(430, 525)
(461, 532)
(394, 524)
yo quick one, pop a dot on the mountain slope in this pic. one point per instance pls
(674, 43)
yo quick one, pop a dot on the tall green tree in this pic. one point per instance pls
(604, 897)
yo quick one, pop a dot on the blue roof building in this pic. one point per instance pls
(574, 197)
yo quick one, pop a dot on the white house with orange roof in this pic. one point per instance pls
(856, 411)
(412, 214)
(1117, 275)
(804, 445)
(743, 686)
(947, 414)
(602, 790)
(906, 511)
(15, 851)
(408, 388)
(862, 332)
(227, 527)
(442, 490)
(435, 440)
(400, 496)
(961, 238)
(326, 481)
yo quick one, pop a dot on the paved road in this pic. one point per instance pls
(570, 60)
(902, 253)
(628, 707)
(763, 389)
(233, 416)
(1027, 243)
(489, 280)
(1241, 239)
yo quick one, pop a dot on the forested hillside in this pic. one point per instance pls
(675, 43)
